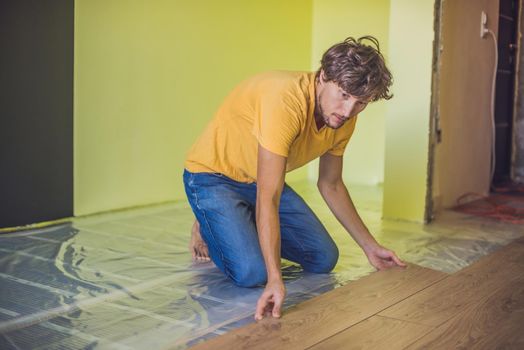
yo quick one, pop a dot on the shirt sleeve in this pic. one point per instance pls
(340, 146)
(277, 122)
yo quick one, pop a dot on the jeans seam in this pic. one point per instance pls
(226, 269)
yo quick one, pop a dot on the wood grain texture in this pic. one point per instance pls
(376, 332)
(319, 318)
(469, 287)
(496, 322)
(520, 240)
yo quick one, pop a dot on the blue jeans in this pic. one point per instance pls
(225, 210)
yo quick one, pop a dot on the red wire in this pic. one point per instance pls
(496, 206)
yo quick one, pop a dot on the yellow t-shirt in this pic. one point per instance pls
(274, 109)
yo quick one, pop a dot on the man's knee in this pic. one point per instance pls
(249, 274)
(322, 262)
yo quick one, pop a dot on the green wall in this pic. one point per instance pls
(333, 21)
(408, 113)
(149, 75)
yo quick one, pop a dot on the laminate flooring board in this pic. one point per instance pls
(472, 286)
(497, 322)
(376, 332)
(319, 318)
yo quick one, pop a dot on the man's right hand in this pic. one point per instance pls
(271, 300)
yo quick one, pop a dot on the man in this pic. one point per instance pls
(247, 218)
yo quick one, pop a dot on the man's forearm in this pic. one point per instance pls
(268, 226)
(338, 199)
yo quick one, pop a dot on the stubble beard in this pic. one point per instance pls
(320, 111)
(325, 118)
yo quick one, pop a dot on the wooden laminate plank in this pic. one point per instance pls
(497, 322)
(469, 287)
(316, 319)
(376, 332)
(519, 240)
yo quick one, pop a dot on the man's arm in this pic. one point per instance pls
(335, 193)
(271, 170)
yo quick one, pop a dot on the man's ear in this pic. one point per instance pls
(322, 76)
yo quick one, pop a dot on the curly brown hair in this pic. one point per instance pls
(359, 69)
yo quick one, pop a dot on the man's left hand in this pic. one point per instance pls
(382, 258)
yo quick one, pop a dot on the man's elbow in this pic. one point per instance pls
(327, 186)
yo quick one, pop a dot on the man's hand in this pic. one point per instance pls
(271, 300)
(382, 258)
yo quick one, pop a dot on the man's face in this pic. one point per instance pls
(335, 106)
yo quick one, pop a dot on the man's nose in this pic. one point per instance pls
(348, 107)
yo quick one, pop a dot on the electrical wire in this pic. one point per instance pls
(506, 202)
(506, 205)
(485, 205)
(493, 126)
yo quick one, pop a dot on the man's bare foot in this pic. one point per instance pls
(197, 246)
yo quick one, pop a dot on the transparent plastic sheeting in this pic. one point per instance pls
(126, 280)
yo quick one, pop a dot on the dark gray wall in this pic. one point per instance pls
(518, 118)
(36, 110)
(505, 89)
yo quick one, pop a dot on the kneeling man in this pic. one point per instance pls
(247, 217)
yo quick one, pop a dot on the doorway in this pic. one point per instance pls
(471, 145)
